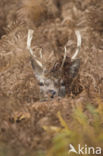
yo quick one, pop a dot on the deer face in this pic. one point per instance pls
(51, 87)
(48, 88)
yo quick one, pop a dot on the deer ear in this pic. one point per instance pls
(74, 68)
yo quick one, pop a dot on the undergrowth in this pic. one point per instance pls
(85, 128)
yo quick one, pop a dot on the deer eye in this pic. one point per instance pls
(41, 83)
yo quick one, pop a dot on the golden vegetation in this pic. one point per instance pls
(84, 128)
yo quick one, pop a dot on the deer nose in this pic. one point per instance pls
(52, 92)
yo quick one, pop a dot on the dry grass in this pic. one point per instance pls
(22, 115)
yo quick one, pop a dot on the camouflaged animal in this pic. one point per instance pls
(52, 85)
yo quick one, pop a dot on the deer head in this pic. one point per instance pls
(52, 86)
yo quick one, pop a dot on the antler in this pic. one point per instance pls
(36, 64)
(29, 39)
(79, 41)
(65, 55)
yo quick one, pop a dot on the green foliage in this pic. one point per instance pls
(85, 128)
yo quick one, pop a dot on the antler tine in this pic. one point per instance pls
(65, 54)
(79, 41)
(41, 56)
(29, 39)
